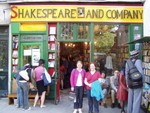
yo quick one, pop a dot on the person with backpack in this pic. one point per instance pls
(77, 86)
(24, 81)
(134, 77)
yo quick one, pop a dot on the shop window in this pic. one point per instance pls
(83, 30)
(74, 31)
(66, 31)
(3, 46)
(110, 40)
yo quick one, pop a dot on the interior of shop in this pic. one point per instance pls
(109, 40)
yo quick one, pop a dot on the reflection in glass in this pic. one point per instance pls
(83, 30)
(66, 31)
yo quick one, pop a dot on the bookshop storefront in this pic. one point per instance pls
(85, 32)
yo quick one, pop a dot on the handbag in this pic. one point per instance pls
(46, 78)
(24, 75)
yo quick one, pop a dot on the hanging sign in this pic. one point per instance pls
(35, 57)
(56, 13)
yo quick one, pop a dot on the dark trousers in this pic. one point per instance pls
(78, 101)
(92, 102)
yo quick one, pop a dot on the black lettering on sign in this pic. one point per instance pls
(60, 15)
(21, 13)
(54, 13)
(73, 11)
(67, 13)
(45, 13)
(88, 14)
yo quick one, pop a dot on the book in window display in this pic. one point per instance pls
(51, 64)
(51, 38)
(52, 46)
(52, 30)
(15, 69)
(15, 61)
(15, 54)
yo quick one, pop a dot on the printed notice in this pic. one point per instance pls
(52, 30)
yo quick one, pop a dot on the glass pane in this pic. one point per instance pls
(3, 30)
(3, 54)
(66, 31)
(83, 29)
(31, 54)
(104, 37)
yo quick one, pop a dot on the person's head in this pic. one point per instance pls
(79, 64)
(116, 73)
(28, 65)
(41, 62)
(103, 75)
(134, 54)
(92, 66)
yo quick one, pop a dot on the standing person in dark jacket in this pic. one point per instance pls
(134, 95)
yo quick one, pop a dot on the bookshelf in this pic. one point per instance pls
(146, 65)
(51, 48)
(15, 39)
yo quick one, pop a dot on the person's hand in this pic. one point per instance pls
(89, 85)
(72, 88)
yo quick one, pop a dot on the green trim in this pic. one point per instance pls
(133, 31)
(92, 42)
(33, 32)
(15, 28)
(75, 32)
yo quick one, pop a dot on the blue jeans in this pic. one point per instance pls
(92, 102)
(24, 90)
(19, 95)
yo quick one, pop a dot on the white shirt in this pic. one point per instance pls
(79, 80)
(109, 64)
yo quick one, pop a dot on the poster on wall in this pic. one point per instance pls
(35, 57)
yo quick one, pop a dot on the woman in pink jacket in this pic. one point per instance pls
(77, 85)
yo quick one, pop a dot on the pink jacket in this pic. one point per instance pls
(74, 77)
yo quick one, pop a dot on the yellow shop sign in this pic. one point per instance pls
(76, 13)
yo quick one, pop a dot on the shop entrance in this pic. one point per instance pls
(70, 53)
(31, 52)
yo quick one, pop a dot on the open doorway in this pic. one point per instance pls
(70, 53)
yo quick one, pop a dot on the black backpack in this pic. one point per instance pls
(135, 79)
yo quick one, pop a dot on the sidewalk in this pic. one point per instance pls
(64, 106)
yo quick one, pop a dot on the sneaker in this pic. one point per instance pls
(42, 106)
(122, 111)
(113, 105)
(27, 108)
(75, 111)
(79, 111)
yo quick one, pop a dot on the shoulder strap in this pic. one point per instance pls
(130, 63)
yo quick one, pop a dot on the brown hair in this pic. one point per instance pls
(92, 63)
